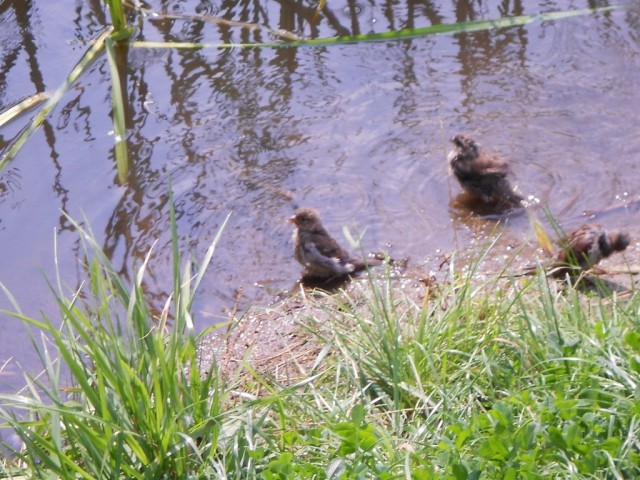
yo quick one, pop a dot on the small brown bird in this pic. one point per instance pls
(482, 173)
(583, 248)
(317, 251)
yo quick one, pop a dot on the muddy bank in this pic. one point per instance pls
(276, 340)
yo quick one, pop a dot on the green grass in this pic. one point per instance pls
(137, 404)
(531, 382)
(498, 378)
(118, 18)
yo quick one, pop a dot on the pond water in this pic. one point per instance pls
(358, 130)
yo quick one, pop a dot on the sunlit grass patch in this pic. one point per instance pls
(473, 378)
(513, 379)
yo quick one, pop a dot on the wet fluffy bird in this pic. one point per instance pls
(583, 248)
(317, 251)
(482, 173)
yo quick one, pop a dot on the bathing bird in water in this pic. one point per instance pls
(482, 173)
(319, 253)
(583, 248)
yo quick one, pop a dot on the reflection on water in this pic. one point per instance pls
(359, 131)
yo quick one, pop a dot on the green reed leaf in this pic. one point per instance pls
(446, 29)
(119, 126)
(118, 19)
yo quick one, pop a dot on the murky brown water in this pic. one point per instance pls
(359, 131)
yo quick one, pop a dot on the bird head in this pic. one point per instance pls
(465, 143)
(305, 218)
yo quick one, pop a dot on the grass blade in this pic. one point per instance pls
(28, 103)
(118, 93)
(446, 29)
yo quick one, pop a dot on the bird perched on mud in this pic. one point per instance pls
(482, 173)
(583, 248)
(318, 252)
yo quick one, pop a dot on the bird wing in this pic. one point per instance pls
(327, 254)
(326, 246)
(491, 164)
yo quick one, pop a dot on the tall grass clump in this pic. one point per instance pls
(121, 394)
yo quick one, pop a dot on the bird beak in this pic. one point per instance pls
(293, 220)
